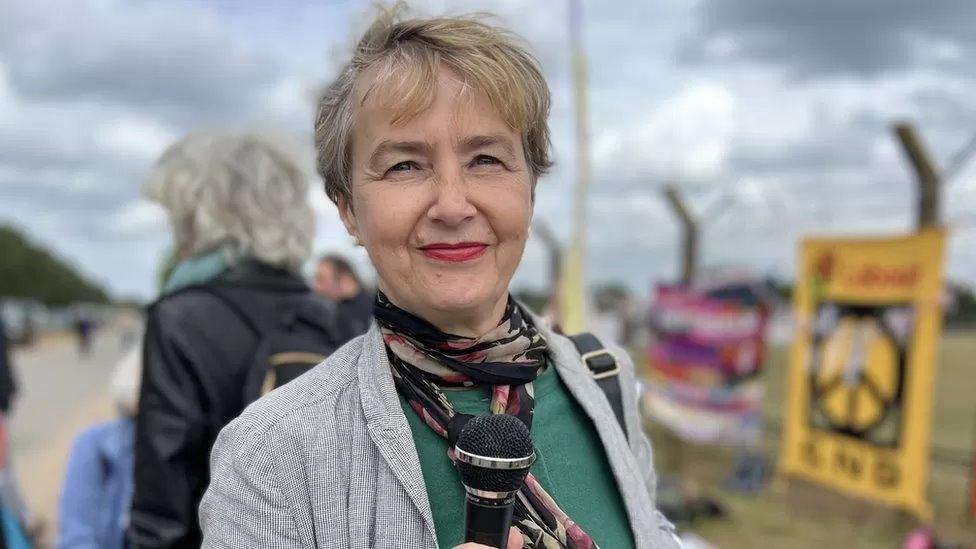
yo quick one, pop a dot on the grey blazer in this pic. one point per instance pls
(328, 460)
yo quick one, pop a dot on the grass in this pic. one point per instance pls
(796, 514)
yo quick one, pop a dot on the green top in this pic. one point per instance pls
(571, 465)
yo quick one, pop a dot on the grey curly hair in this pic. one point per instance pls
(234, 190)
(405, 56)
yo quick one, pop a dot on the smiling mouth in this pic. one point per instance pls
(455, 253)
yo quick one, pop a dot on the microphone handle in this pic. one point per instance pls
(487, 522)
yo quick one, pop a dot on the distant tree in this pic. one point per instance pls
(27, 270)
(963, 311)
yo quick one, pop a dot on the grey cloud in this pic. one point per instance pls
(39, 198)
(36, 157)
(809, 38)
(831, 145)
(950, 111)
(89, 93)
(174, 61)
(636, 264)
(813, 154)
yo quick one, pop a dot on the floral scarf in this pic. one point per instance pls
(509, 358)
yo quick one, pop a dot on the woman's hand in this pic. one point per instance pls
(514, 541)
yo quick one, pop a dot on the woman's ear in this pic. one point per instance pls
(348, 217)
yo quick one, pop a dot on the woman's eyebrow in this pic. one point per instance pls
(387, 146)
(475, 142)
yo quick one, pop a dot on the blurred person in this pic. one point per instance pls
(235, 319)
(337, 280)
(8, 383)
(93, 511)
(430, 142)
(30, 330)
(84, 329)
(130, 329)
(18, 525)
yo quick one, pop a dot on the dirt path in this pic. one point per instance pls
(59, 394)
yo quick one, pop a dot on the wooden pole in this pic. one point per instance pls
(689, 234)
(553, 250)
(926, 173)
(573, 280)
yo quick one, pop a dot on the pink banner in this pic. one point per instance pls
(705, 363)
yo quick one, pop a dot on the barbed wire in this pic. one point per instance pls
(958, 161)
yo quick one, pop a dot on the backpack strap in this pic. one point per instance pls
(261, 321)
(276, 354)
(256, 322)
(605, 371)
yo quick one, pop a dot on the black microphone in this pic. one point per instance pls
(493, 454)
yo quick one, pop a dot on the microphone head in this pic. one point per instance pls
(493, 453)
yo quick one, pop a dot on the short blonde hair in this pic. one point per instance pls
(406, 55)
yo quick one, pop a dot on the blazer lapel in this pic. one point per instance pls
(387, 425)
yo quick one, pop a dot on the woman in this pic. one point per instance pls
(430, 142)
(242, 227)
(93, 512)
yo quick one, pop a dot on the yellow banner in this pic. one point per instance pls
(859, 401)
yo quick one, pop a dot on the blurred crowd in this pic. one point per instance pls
(234, 319)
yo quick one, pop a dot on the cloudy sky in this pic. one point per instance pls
(772, 116)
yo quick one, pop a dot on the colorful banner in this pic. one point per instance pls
(704, 365)
(859, 402)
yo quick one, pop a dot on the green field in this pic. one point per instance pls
(796, 514)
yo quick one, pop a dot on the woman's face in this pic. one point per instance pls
(442, 202)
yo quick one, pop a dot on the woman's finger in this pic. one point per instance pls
(514, 538)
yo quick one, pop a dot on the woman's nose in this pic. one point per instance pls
(451, 205)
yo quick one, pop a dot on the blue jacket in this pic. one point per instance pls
(94, 508)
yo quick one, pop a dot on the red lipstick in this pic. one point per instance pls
(454, 253)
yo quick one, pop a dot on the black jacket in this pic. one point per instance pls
(197, 356)
(356, 313)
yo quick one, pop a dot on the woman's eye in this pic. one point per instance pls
(402, 166)
(485, 160)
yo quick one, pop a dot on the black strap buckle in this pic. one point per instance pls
(601, 363)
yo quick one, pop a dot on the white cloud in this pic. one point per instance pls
(686, 137)
(138, 219)
(136, 137)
